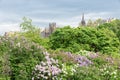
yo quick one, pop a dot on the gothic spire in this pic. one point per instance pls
(83, 16)
(83, 20)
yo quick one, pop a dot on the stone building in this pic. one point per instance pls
(47, 31)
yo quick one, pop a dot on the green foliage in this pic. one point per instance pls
(85, 38)
(114, 26)
(105, 72)
(27, 25)
(19, 57)
(86, 73)
(68, 71)
(32, 32)
(22, 53)
(4, 57)
(24, 56)
(63, 57)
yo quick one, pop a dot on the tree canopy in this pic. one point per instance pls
(85, 38)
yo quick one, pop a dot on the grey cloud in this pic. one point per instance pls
(61, 11)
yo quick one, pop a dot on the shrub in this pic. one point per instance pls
(48, 70)
(22, 55)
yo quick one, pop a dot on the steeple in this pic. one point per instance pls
(83, 20)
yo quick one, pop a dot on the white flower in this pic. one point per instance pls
(18, 44)
(114, 76)
(32, 78)
(73, 70)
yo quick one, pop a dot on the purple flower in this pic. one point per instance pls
(93, 55)
(48, 68)
(83, 61)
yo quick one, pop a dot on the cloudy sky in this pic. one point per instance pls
(63, 12)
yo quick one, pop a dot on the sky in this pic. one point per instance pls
(63, 12)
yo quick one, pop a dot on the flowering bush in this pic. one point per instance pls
(68, 71)
(23, 55)
(48, 69)
(28, 60)
(108, 72)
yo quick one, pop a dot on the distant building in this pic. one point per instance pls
(82, 23)
(52, 27)
(10, 34)
(47, 31)
(110, 20)
(102, 21)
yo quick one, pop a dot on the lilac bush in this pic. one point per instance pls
(92, 55)
(23, 55)
(47, 69)
(81, 60)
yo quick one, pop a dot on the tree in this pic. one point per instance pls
(113, 25)
(31, 31)
(29, 28)
(85, 38)
(26, 25)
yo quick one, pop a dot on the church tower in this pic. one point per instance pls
(83, 23)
